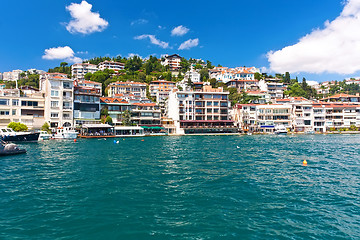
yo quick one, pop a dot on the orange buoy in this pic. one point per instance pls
(142, 140)
(304, 163)
(74, 140)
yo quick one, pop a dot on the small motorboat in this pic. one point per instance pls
(10, 149)
(280, 130)
(44, 135)
(9, 135)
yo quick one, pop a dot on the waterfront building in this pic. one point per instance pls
(142, 114)
(137, 89)
(173, 61)
(78, 70)
(58, 92)
(245, 117)
(86, 102)
(24, 108)
(203, 111)
(116, 66)
(146, 114)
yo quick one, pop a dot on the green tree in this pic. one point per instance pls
(17, 127)
(258, 76)
(45, 127)
(126, 118)
(204, 74)
(287, 77)
(87, 76)
(209, 65)
(108, 120)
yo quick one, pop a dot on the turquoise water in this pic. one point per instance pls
(196, 187)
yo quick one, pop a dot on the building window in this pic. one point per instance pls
(15, 102)
(54, 93)
(54, 104)
(54, 115)
(4, 112)
(14, 112)
(4, 101)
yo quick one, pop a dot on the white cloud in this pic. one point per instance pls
(189, 44)
(61, 53)
(153, 40)
(84, 21)
(139, 22)
(179, 31)
(333, 49)
(131, 55)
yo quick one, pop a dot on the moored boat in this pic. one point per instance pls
(280, 130)
(9, 135)
(65, 133)
(44, 135)
(10, 149)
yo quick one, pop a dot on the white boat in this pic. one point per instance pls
(65, 133)
(44, 135)
(280, 130)
(9, 135)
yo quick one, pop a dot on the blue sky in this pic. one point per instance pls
(230, 33)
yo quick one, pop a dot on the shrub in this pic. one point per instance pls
(18, 127)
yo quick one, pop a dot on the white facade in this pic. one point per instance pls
(173, 61)
(78, 70)
(12, 76)
(28, 109)
(224, 74)
(274, 89)
(135, 88)
(58, 90)
(193, 76)
(116, 66)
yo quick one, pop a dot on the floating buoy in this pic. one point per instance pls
(74, 140)
(124, 139)
(237, 147)
(117, 142)
(142, 140)
(114, 141)
(304, 163)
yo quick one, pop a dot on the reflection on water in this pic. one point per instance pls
(196, 187)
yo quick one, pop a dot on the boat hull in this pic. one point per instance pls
(12, 152)
(31, 137)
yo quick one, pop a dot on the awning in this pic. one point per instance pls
(158, 128)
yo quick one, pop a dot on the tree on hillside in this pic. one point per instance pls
(287, 77)
(204, 74)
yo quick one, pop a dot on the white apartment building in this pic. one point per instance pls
(26, 109)
(12, 76)
(116, 66)
(137, 89)
(203, 111)
(193, 76)
(224, 74)
(274, 89)
(78, 70)
(58, 90)
(173, 61)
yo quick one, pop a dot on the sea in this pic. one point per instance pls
(183, 187)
